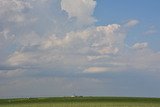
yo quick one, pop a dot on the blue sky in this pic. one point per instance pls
(101, 48)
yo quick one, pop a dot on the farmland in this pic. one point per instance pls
(81, 102)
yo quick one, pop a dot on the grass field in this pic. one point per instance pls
(81, 102)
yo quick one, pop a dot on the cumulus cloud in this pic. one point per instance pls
(100, 40)
(81, 9)
(98, 46)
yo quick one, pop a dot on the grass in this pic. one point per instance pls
(81, 102)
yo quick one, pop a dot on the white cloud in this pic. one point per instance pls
(96, 69)
(109, 28)
(131, 23)
(102, 39)
(13, 8)
(108, 50)
(18, 58)
(92, 58)
(53, 50)
(140, 45)
(98, 46)
(81, 9)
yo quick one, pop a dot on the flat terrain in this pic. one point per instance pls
(81, 102)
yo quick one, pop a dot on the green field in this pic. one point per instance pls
(81, 102)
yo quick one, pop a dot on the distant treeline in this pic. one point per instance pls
(79, 99)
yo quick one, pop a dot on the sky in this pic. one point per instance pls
(54, 48)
